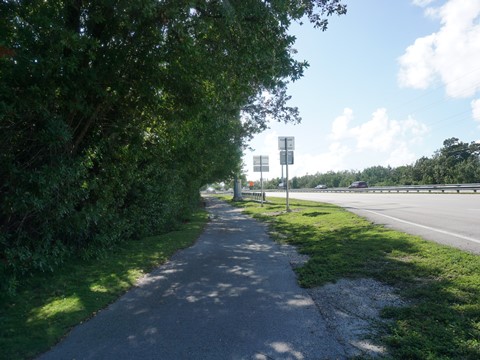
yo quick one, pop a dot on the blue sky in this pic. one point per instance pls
(387, 84)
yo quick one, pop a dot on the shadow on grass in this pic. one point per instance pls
(349, 251)
(315, 213)
(47, 305)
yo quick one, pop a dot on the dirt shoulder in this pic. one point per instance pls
(351, 308)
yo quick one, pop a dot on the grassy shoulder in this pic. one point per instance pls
(49, 304)
(441, 284)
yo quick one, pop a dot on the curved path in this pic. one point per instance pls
(233, 295)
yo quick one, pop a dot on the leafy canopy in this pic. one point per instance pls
(113, 113)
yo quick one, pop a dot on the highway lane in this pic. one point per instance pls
(450, 219)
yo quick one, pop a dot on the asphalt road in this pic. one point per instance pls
(450, 219)
(233, 295)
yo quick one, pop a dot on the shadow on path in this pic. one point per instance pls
(233, 295)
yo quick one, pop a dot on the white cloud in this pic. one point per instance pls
(385, 141)
(332, 160)
(476, 109)
(417, 129)
(380, 133)
(422, 3)
(377, 141)
(400, 156)
(451, 54)
(340, 125)
(416, 65)
(377, 134)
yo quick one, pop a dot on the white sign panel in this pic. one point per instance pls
(260, 164)
(260, 160)
(289, 141)
(261, 168)
(289, 158)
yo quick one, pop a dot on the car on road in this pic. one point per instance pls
(321, 186)
(358, 185)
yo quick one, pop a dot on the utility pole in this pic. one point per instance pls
(237, 188)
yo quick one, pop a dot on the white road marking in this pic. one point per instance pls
(427, 227)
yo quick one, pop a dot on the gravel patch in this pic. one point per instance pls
(296, 259)
(351, 308)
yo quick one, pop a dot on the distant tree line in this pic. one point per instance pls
(456, 162)
(114, 113)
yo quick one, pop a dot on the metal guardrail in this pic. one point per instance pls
(457, 188)
(255, 195)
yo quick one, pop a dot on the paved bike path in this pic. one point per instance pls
(233, 295)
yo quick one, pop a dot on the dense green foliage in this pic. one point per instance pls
(114, 113)
(456, 162)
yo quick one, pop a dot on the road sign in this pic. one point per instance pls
(288, 141)
(289, 158)
(286, 145)
(260, 163)
(261, 168)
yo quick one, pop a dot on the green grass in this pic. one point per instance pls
(49, 304)
(440, 284)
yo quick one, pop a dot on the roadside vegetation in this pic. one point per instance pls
(113, 114)
(440, 284)
(48, 304)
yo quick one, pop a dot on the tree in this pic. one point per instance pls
(114, 113)
(452, 159)
(402, 175)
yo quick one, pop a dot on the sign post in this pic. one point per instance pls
(260, 164)
(286, 145)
